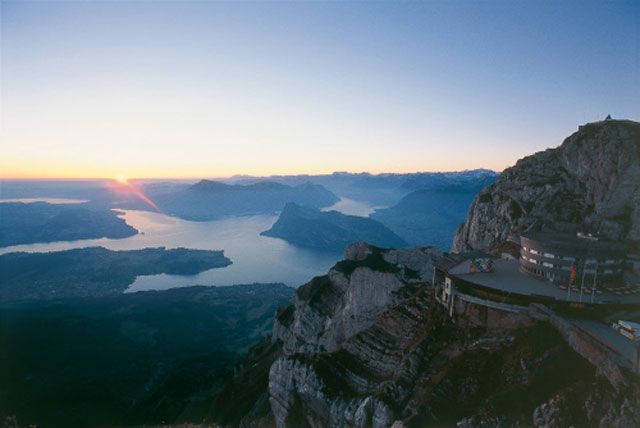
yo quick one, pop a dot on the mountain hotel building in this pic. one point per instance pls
(571, 259)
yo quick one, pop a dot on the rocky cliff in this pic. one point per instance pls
(367, 345)
(590, 183)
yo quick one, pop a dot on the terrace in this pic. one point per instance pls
(506, 278)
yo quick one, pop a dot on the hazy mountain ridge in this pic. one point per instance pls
(384, 189)
(329, 230)
(208, 200)
(591, 182)
(430, 217)
(379, 189)
(469, 179)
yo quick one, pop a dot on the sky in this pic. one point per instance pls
(151, 89)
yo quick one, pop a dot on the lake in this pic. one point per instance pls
(255, 258)
(352, 207)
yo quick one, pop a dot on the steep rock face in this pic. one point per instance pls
(413, 367)
(590, 183)
(334, 307)
(347, 386)
(598, 404)
(367, 345)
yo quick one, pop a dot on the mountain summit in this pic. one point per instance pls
(370, 344)
(585, 185)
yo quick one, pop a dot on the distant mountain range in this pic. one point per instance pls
(430, 217)
(271, 193)
(208, 200)
(329, 231)
(381, 189)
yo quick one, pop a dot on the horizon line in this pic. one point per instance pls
(240, 175)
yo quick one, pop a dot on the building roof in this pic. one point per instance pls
(452, 260)
(507, 278)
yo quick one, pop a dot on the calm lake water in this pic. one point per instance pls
(255, 258)
(351, 207)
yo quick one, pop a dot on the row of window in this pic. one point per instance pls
(537, 272)
(568, 268)
(572, 259)
(548, 255)
(545, 264)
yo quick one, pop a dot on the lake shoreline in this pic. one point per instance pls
(256, 259)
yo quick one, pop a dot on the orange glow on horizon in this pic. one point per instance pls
(201, 167)
(219, 173)
(122, 179)
(123, 182)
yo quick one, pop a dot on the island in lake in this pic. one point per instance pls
(29, 223)
(96, 271)
(329, 230)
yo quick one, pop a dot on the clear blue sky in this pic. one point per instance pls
(161, 89)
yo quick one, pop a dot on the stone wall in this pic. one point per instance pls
(499, 318)
(495, 317)
(589, 347)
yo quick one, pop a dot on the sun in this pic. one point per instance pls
(122, 179)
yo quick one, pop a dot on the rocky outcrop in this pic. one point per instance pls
(580, 340)
(589, 183)
(346, 385)
(332, 308)
(368, 345)
(595, 404)
(414, 367)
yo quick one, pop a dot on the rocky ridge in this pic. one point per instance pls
(590, 183)
(333, 308)
(367, 345)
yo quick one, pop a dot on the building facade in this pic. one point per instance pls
(443, 279)
(571, 259)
